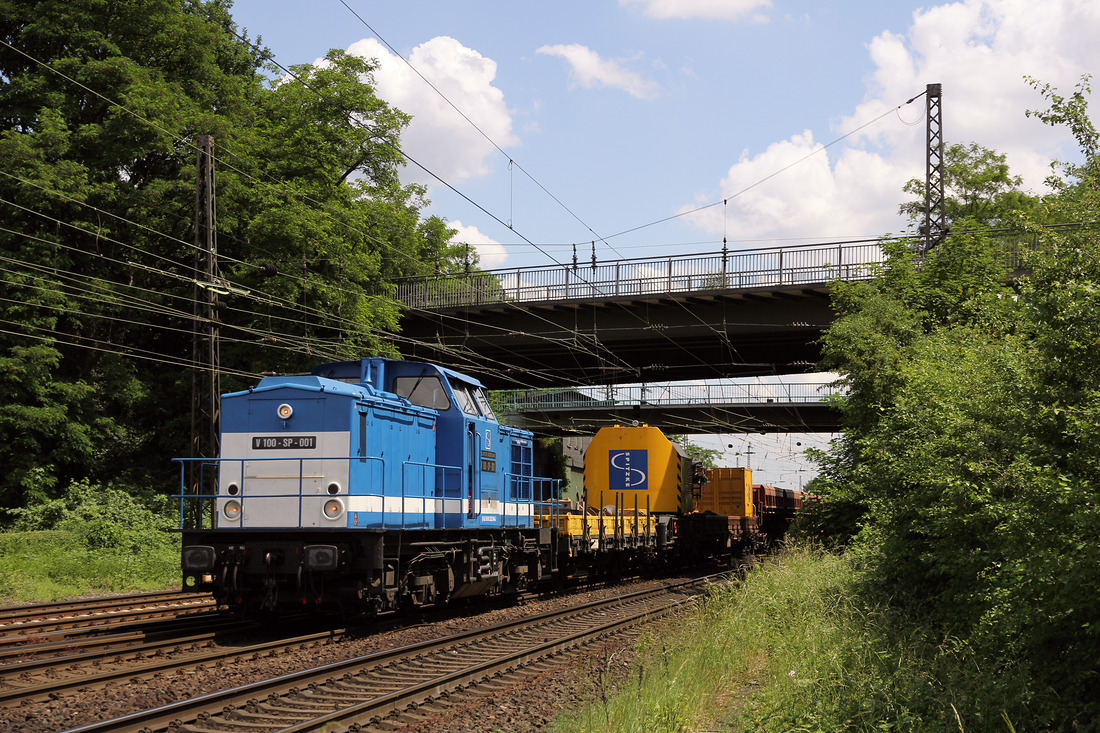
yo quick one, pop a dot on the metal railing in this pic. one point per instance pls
(654, 275)
(524, 496)
(604, 397)
(741, 269)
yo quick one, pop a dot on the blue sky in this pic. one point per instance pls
(619, 114)
(595, 119)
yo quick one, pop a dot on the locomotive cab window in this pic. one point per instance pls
(483, 403)
(465, 399)
(424, 391)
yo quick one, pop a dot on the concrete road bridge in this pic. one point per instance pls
(707, 316)
(746, 407)
(554, 331)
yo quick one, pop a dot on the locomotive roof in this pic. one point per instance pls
(338, 369)
(307, 381)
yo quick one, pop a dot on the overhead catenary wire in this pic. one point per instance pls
(768, 177)
(413, 161)
(326, 316)
(511, 161)
(269, 301)
(96, 294)
(62, 275)
(186, 244)
(425, 169)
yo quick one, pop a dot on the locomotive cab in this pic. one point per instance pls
(377, 481)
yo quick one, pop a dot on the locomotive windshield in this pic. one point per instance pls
(424, 391)
(465, 399)
(483, 403)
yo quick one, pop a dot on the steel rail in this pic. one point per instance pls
(133, 647)
(200, 708)
(13, 615)
(53, 688)
(63, 628)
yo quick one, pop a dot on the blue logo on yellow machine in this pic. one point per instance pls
(628, 470)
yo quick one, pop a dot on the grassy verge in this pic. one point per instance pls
(91, 539)
(794, 649)
(50, 565)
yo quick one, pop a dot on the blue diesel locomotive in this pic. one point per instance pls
(376, 483)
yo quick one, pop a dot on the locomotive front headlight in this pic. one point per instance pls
(284, 411)
(333, 508)
(232, 510)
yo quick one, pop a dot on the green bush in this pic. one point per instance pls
(796, 647)
(93, 539)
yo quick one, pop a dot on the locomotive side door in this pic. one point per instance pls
(481, 459)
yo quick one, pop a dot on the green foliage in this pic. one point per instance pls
(92, 539)
(831, 513)
(1071, 112)
(100, 108)
(102, 517)
(707, 456)
(979, 189)
(796, 647)
(970, 420)
(550, 460)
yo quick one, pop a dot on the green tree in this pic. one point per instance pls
(979, 190)
(101, 104)
(970, 419)
(1072, 112)
(706, 456)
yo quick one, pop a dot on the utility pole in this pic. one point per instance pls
(935, 214)
(205, 351)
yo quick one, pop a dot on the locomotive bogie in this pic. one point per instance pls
(372, 570)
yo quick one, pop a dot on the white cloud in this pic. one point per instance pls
(491, 253)
(438, 137)
(830, 197)
(590, 71)
(980, 51)
(715, 9)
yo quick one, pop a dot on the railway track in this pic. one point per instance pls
(18, 623)
(62, 663)
(56, 647)
(37, 680)
(388, 689)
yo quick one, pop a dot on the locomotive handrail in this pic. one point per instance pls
(443, 489)
(531, 501)
(186, 495)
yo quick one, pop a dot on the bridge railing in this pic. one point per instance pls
(675, 395)
(741, 269)
(773, 267)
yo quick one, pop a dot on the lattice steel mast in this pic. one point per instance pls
(935, 215)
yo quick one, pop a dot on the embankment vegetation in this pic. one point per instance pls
(91, 540)
(961, 499)
(796, 647)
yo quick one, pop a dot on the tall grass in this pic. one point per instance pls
(92, 539)
(793, 648)
(50, 565)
